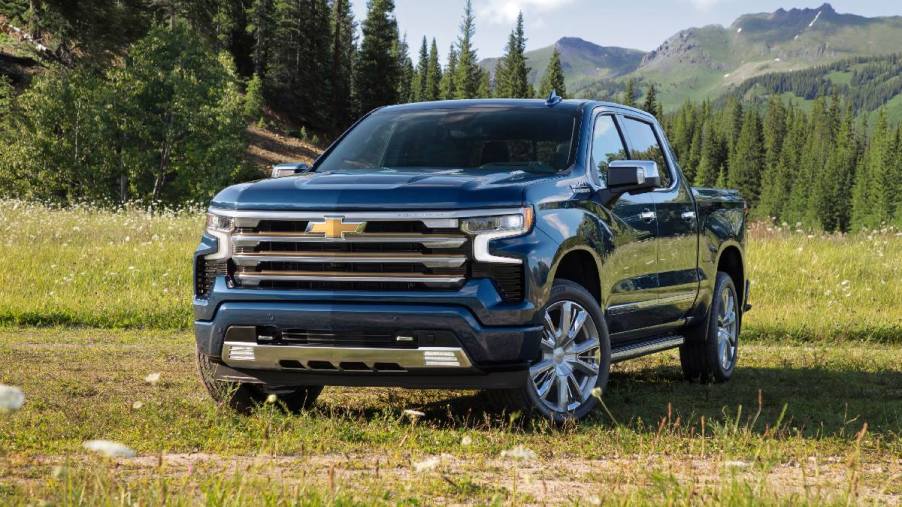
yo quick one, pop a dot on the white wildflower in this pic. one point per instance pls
(272, 398)
(428, 464)
(413, 415)
(109, 449)
(466, 441)
(152, 379)
(11, 399)
(137, 405)
(519, 453)
(596, 393)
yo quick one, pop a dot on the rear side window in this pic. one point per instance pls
(607, 146)
(644, 145)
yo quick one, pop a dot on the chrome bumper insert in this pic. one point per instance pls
(352, 359)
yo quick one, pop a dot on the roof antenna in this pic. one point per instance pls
(553, 99)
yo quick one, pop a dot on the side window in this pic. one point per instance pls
(606, 146)
(645, 146)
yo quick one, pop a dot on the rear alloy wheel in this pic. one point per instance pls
(712, 348)
(574, 358)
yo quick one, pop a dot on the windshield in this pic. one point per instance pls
(471, 139)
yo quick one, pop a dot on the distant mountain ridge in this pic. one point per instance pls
(583, 61)
(708, 61)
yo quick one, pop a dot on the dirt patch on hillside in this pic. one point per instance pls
(268, 147)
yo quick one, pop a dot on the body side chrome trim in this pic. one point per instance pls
(651, 303)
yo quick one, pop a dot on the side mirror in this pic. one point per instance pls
(634, 176)
(289, 169)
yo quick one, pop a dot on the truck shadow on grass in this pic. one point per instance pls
(818, 402)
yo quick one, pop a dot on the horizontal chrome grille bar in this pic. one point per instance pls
(430, 261)
(427, 240)
(270, 357)
(251, 279)
(432, 219)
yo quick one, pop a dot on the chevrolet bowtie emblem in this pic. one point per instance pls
(335, 227)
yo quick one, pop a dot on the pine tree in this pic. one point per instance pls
(377, 70)
(433, 87)
(831, 200)
(651, 100)
(419, 78)
(448, 85)
(468, 74)
(777, 183)
(512, 74)
(261, 26)
(485, 87)
(344, 52)
(874, 194)
(629, 95)
(713, 157)
(744, 172)
(295, 70)
(817, 153)
(405, 75)
(554, 77)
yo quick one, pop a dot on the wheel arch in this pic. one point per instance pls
(730, 260)
(579, 264)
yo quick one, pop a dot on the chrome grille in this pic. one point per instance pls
(391, 252)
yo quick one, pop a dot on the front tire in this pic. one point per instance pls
(575, 358)
(712, 350)
(244, 398)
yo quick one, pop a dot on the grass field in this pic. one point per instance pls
(95, 301)
(131, 269)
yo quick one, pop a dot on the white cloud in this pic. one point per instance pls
(704, 4)
(505, 11)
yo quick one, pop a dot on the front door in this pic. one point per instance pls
(630, 268)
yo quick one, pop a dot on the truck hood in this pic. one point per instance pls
(384, 189)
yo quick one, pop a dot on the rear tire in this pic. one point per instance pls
(244, 398)
(712, 349)
(575, 359)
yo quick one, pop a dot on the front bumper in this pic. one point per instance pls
(442, 346)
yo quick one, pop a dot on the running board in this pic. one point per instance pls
(635, 350)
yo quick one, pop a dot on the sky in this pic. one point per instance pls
(639, 24)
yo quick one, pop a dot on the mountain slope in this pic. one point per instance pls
(583, 61)
(704, 62)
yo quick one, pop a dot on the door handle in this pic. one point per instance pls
(688, 216)
(648, 216)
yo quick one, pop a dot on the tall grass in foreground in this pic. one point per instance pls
(131, 268)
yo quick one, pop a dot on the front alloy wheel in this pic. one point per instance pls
(564, 377)
(574, 358)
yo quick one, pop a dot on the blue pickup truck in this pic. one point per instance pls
(516, 246)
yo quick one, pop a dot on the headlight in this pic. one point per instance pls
(486, 229)
(221, 228)
(219, 223)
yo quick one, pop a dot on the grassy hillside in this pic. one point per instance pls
(132, 269)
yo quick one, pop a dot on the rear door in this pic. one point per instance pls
(677, 237)
(630, 268)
